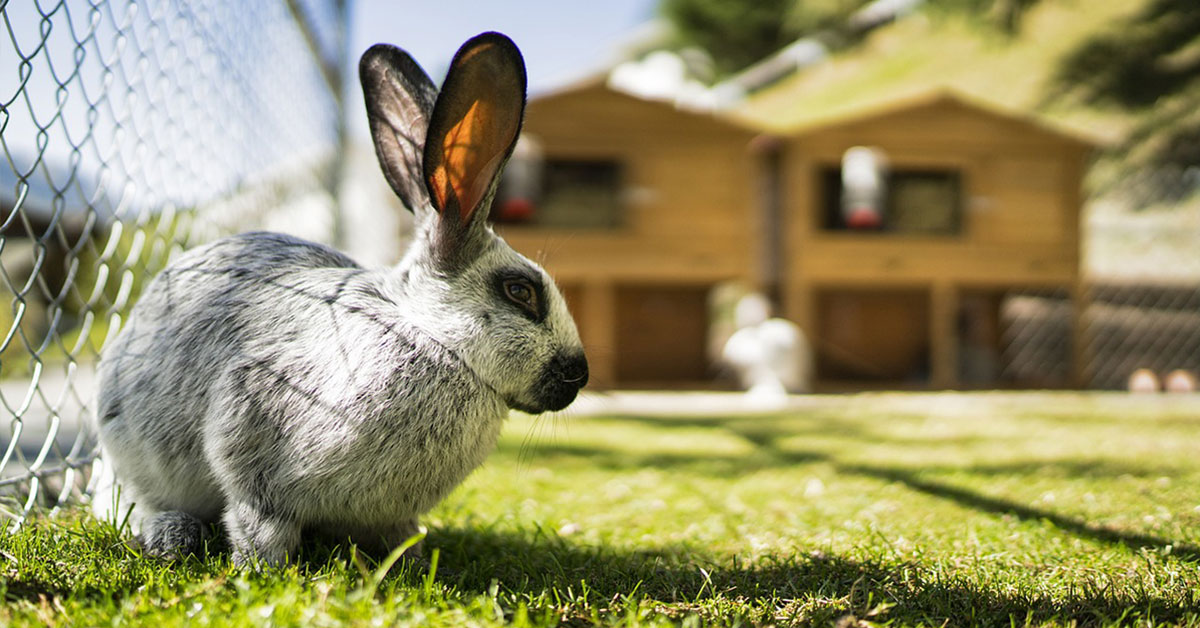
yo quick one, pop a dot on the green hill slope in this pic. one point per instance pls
(937, 48)
(1125, 73)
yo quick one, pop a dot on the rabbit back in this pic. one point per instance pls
(266, 368)
(189, 323)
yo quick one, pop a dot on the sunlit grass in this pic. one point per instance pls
(980, 509)
(953, 48)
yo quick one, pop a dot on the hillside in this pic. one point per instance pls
(1120, 72)
(936, 48)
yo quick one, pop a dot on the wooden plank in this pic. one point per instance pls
(599, 308)
(1081, 354)
(906, 261)
(679, 257)
(662, 332)
(943, 335)
(879, 334)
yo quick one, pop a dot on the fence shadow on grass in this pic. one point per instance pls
(1073, 525)
(547, 571)
(811, 588)
(765, 437)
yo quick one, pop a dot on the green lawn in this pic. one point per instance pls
(980, 509)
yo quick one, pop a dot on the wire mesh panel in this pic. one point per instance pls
(128, 131)
(1138, 309)
(1036, 338)
(1142, 303)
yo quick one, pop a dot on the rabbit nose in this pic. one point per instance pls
(573, 370)
(560, 381)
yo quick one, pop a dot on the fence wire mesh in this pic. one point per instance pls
(1141, 305)
(130, 130)
(1138, 307)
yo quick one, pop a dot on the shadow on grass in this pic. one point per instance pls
(769, 428)
(765, 435)
(577, 582)
(707, 463)
(810, 588)
(766, 456)
(1072, 525)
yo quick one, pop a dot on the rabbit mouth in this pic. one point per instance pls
(523, 407)
(561, 380)
(557, 386)
(549, 405)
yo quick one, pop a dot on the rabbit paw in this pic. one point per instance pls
(173, 535)
(259, 538)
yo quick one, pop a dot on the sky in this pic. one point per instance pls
(140, 126)
(562, 40)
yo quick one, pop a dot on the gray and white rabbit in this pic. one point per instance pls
(274, 385)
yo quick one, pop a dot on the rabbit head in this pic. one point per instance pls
(443, 153)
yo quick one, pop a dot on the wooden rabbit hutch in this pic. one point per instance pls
(643, 208)
(978, 204)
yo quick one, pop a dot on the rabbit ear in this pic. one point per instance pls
(400, 98)
(474, 127)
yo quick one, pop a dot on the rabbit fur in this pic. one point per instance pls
(275, 386)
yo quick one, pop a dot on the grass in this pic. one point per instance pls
(941, 48)
(959, 509)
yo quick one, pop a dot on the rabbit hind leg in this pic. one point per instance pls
(173, 534)
(258, 536)
(165, 534)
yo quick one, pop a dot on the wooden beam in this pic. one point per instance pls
(943, 335)
(600, 333)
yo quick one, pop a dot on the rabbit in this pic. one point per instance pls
(274, 386)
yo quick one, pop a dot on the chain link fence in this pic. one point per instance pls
(1143, 297)
(1139, 306)
(128, 131)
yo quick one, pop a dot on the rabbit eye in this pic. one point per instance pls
(521, 292)
(524, 291)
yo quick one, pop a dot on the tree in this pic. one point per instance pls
(1149, 67)
(734, 33)
(739, 33)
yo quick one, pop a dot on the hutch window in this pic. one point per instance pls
(575, 194)
(920, 202)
